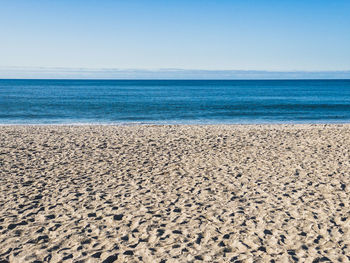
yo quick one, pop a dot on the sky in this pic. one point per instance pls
(263, 35)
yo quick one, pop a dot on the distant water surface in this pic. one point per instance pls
(173, 101)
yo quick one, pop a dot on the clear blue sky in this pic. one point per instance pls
(223, 34)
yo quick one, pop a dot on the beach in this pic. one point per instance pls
(175, 193)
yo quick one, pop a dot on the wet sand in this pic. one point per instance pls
(175, 193)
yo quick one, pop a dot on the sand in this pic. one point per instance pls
(175, 193)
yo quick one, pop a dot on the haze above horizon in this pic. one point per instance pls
(193, 37)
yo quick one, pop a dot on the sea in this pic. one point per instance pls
(128, 102)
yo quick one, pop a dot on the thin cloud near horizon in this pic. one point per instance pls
(166, 73)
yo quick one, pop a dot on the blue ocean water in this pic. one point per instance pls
(173, 101)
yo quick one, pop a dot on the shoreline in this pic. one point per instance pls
(174, 124)
(179, 193)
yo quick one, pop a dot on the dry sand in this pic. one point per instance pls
(175, 193)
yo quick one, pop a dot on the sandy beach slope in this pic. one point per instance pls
(175, 193)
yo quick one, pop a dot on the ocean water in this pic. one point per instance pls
(174, 101)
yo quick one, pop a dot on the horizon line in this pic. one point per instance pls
(174, 79)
